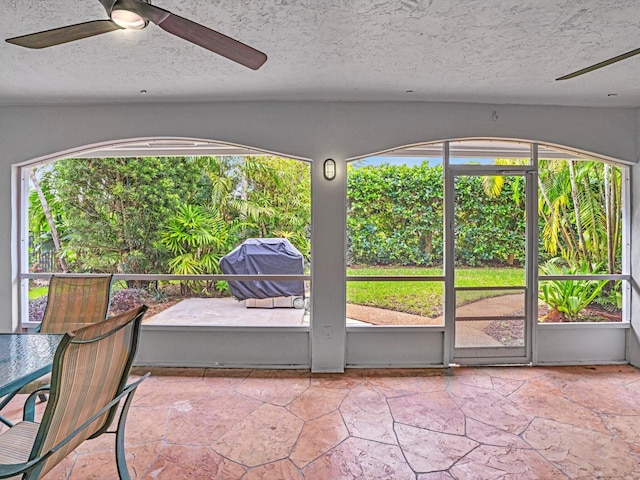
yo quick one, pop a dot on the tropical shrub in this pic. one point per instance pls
(567, 298)
(127, 298)
(610, 297)
(282, 189)
(198, 239)
(110, 211)
(490, 228)
(395, 217)
(580, 205)
(37, 307)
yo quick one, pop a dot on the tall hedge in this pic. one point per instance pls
(395, 216)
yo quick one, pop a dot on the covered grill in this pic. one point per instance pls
(267, 256)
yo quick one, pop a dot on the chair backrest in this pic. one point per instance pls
(74, 302)
(90, 369)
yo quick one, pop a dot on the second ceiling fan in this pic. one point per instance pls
(136, 14)
(598, 65)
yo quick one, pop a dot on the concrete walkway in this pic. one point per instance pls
(226, 311)
(470, 334)
(231, 312)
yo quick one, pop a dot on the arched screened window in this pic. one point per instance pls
(160, 215)
(396, 235)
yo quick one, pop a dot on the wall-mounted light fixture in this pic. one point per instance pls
(329, 169)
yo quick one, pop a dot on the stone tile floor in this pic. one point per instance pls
(474, 423)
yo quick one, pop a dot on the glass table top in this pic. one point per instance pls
(25, 357)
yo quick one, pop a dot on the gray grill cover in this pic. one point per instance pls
(264, 256)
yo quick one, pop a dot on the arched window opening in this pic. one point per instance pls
(160, 216)
(568, 265)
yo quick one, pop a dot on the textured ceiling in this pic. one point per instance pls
(488, 51)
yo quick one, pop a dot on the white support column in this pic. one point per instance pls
(633, 335)
(8, 261)
(21, 287)
(328, 282)
(449, 258)
(627, 208)
(532, 255)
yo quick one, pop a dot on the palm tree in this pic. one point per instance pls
(50, 221)
(229, 181)
(580, 205)
(555, 204)
(250, 196)
(198, 238)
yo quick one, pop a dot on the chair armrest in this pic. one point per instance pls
(29, 409)
(13, 469)
(10, 470)
(129, 389)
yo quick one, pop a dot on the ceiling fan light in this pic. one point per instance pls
(128, 19)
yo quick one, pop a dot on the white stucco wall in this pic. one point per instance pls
(315, 129)
(633, 335)
(300, 129)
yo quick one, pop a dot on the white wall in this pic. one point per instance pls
(590, 343)
(312, 130)
(633, 336)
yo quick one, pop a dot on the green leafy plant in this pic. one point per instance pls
(198, 239)
(156, 293)
(568, 297)
(610, 297)
(395, 217)
(221, 287)
(109, 211)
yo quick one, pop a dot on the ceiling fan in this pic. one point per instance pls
(605, 63)
(136, 14)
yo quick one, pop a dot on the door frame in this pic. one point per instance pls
(484, 355)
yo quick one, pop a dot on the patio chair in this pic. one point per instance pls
(73, 302)
(88, 381)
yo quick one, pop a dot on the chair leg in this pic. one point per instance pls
(43, 397)
(121, 459)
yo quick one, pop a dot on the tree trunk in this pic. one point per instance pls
(616, 182)
(576, 210)
(595, 251)
(608, 190)
(49, 217)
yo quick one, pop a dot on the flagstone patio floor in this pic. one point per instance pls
(464, 423)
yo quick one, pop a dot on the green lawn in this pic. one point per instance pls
(426, 298)
(420, 298)
(37, 292)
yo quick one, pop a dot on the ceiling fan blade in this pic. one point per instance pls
(624, 56)
(214, 41)
(70, 33)
(203, 36)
